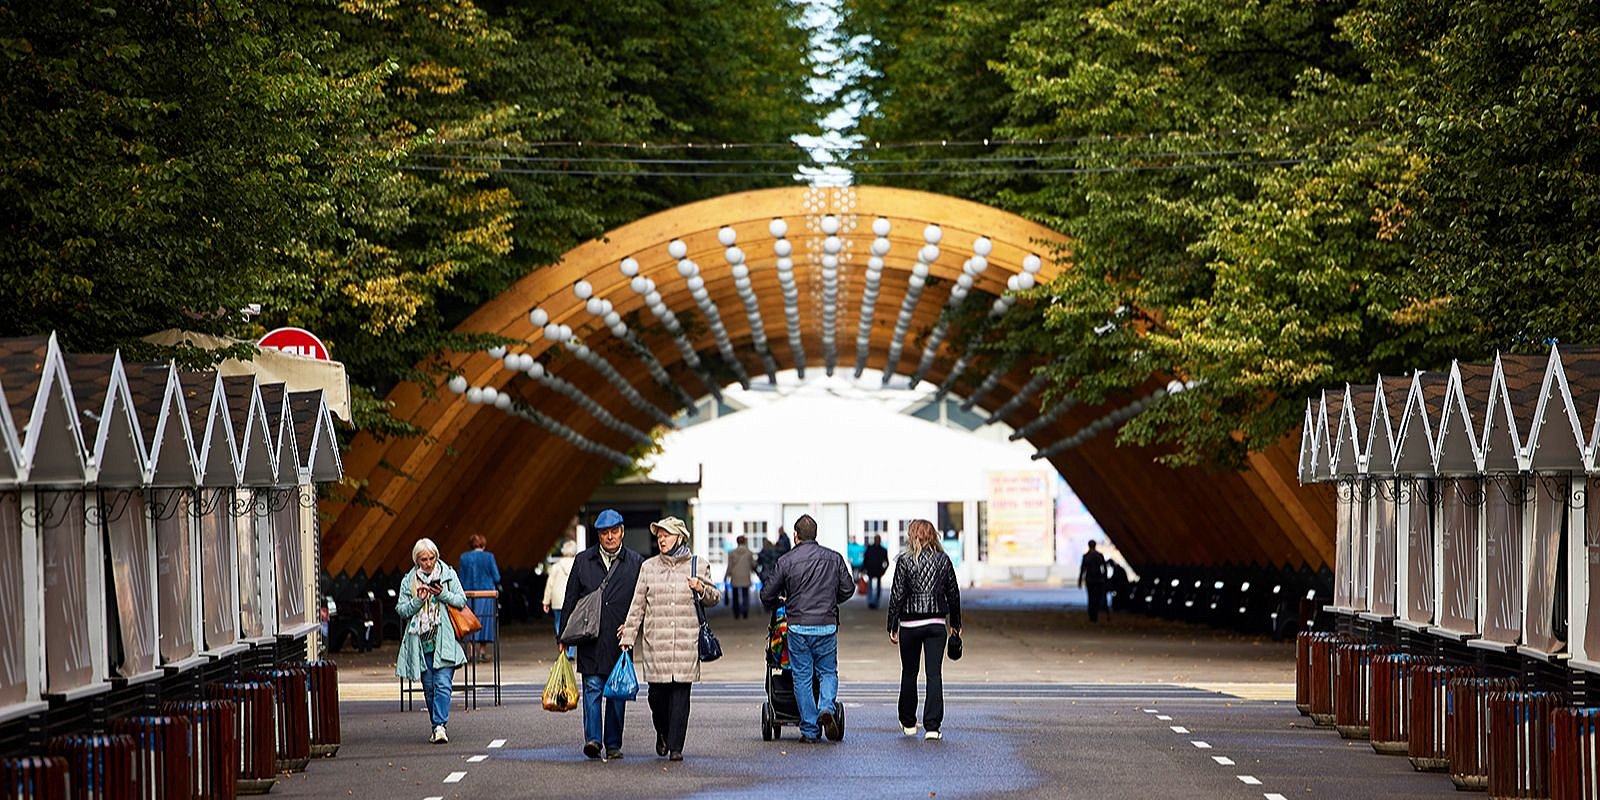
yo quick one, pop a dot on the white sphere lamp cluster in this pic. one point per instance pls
(562, 335)
(690, 272)
(1028, 390)
(974, 266)
(600, 307)
(1020, 282)
(1043, 420)
(1114, 418)
(646, 288)
(488, 395)
(908, 305)
(747, 295)
(784, 250)
(870, 289)
(832, 247)
(526, 364)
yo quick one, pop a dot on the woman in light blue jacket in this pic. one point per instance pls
(429, 650)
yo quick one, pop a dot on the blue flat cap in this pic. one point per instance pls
(608, 518)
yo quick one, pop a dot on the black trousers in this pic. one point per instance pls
(922, 643)
(1097, 601)
(741, 602)
(669, 707)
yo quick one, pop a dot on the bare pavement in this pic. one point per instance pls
(1042, 705)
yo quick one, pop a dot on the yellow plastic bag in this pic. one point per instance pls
(561, 691)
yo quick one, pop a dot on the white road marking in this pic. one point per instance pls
(1201, 745)
(497, 744)
(1163, 717)
(1151, 711)
(1223, 760)
(436, 797)
(477, 759)
(1249, 780)
(1179, 729)
(1274, 796)
(455, 777)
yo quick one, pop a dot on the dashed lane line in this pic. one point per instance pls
(455, 777)
(1223, 760)
(1249, 780)
(497, 744)
(477, 759)
(1201, 745)
(1179, 729)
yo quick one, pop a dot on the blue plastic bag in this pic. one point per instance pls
(623, 684)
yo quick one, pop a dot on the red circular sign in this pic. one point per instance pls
(295, 341)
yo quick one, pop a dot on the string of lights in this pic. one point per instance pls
(921, 173)
(848, 144)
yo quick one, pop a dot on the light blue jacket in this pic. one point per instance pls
(447, 651)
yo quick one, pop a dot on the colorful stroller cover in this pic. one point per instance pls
(778, 639)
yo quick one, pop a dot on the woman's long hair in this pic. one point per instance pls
(921, 539)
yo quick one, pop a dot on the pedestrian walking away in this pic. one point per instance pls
(429, 651)
(663, 621)
(811, 582)
(555, 587)
(741, 567)
(874, 563)
(924, 611)
(609, 566)
(480, 573)
(1092, 575)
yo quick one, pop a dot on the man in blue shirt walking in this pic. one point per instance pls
(812, 581)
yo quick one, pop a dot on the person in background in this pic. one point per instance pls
(602, 732)
(741, 566)
(428, 649)
(874, 563)
(480, 573)
(924, 611)
(669, 646)
(1119, 586)
(1092, 570)
(812, 581)
(855, 552)
(767, 559)
(555, 586)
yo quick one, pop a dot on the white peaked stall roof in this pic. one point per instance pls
(216, 451)
(11, 469)
(169, 444)
(41, 405)
(251, 433)
(280, 431)
(313, 424)
(111, 430)
(1518, 413)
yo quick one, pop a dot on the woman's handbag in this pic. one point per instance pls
(463, 620)
(955, 647)
(710, 648)
(582, 626)
(623, 683)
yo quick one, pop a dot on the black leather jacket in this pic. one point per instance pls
(815, 580)
(926, 589)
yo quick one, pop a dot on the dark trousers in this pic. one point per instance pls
(922, 643)
(1097, 601)
(874, 590)
(741, 602)
(669, 707)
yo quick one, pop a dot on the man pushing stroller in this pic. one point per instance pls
(813, 581)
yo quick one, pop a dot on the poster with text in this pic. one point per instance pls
(1021, 519)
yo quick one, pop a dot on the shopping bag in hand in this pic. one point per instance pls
(623, 683)
(561, 691)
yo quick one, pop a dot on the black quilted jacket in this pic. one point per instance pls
(925, 589)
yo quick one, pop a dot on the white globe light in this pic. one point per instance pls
(832, 244)
(552, 332)
(999, 306)
(497, 351)
(916, 281)
(566, 333)
(830, 262)
(874, 264)
(783, 248)
(1013, 284)
(1031, 263)
(932, 234)
(677, 249)
(612, 319)
(649, 285)
(535, 370)
(490, 393)
(700, 294)
(880, 226)
(880, 247)
(630, 267)
(929, 253)
(696, 283)
(687, 268)
(595, 306)
(920, 270)
(733, 255)
(959, 293)
(502, 402)
(727, 236)
(475, 395)
(512, 361)
(653, 299)
(1025, 281)
(778, 228)
(539, 317)
(982, 246)
(579, 350)
(1174, 386)
(605, 307)
(830, 224)
(583, 289)
(741, 272)
(619, 330)
(458, 384)
(965, 281)
(639, 284)
(979, 264)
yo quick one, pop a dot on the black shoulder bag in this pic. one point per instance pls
(582, 626)
(710, 648)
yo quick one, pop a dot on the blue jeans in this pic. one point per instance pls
(874, 591)
(610, 734)
(572, 652)
(436, 689)
(814, 657)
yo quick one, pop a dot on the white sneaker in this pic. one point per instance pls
(439, 736)
(932, 736)
(911, 731)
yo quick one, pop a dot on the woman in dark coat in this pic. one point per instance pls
(924, 611)
(602, 727)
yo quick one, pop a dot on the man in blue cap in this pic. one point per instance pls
(615, 569)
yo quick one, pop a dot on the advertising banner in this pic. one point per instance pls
(1021, 519)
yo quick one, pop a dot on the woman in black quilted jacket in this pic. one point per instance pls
(924, 611)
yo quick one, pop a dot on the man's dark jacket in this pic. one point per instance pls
(876, 560)
(815, 580)
(588, 570)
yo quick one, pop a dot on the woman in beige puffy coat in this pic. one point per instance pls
(669, 644)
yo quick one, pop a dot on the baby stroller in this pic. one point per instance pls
(780, 709)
